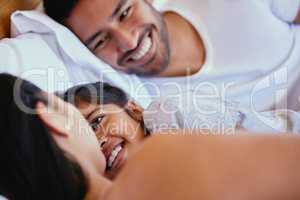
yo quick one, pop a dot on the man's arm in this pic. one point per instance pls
(297, 20)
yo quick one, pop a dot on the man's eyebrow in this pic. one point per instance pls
(92, 38)
(115, 12)
(118, 8)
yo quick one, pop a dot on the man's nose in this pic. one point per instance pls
(127, 40)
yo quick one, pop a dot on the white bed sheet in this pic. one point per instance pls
(55, 59)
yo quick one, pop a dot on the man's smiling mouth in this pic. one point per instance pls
(143, 53)
(142, 49)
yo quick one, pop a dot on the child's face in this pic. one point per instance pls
(116, 130)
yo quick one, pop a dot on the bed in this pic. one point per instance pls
(9, 6)
(38, 47)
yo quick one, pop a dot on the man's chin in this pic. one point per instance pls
(154, 67)
(153, 71)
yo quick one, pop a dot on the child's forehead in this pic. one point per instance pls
(88, 108)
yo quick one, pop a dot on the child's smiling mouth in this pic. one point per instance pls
(114, 152)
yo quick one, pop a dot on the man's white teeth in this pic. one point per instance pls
(113, 155)
(143, 49)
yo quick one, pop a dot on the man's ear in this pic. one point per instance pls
(134, 110)
(54, 120)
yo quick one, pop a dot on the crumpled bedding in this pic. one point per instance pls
(193, 111)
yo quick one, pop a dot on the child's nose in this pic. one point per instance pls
(103, 141)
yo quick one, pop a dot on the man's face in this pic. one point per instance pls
(129, 35)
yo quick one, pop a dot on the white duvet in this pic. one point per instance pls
(193, 110)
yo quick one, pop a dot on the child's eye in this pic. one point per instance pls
(95, 124)
(125, 13)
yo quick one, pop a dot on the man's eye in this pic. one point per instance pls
(102, 42)
(125, 14)
(96, 123)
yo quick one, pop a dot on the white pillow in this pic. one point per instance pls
(80, 64)
(28, 56)
(2, 198)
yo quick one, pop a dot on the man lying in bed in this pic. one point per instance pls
(121, 124)
(233, 44)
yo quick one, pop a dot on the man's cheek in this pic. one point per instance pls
(108, 57)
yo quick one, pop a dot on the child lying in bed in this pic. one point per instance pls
(121, 124)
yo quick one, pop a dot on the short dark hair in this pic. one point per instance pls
(32, 165)
(59, 10)
(98, 93)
